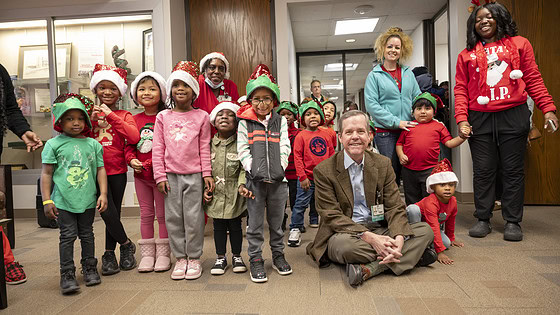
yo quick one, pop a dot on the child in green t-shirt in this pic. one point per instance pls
(73, 162)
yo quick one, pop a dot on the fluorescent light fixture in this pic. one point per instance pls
(332, 87)
(23, 24)
(350, 40)
(338, 67)
(333, 98)
(336, 79)
(355, 26)
(101, 20)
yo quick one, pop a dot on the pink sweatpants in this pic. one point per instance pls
(148, 194)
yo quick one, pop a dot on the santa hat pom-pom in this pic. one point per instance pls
(516, 74)
(483, 100)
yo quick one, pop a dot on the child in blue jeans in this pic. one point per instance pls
(75, 163)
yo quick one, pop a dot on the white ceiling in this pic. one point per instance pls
(313, 25)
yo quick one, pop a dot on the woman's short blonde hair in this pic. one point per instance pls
(381, 41)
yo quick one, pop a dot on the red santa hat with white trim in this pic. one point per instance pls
(154, 75)
(442, 173)
(109, 73)
(186, 71)
(212, 55)
(221, 106)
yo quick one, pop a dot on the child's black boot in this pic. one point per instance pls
(68, 283)
(89, 270)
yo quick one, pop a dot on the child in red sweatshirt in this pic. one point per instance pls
(113, 129)
(290, 111)
(439, 209)
(311, 146)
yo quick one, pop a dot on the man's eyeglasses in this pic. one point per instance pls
(266, 101)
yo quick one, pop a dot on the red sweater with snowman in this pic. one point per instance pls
(143, 149)
(509, 71)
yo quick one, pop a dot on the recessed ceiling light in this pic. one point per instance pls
(338, 67)
(355, 26)
(332, 87)
(363, 9)
(350, 40)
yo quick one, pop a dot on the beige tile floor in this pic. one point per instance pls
(490, 276)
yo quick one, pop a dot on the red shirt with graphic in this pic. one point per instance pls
(310, 149)
(119, 131)
(504, 93)
(143, 149)
(431, 208)
(421, 144)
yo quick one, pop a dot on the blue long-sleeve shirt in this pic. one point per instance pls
(384, 102)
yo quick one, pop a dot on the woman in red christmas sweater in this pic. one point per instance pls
(495, 73)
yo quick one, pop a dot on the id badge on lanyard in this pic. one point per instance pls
(224, 97)
(377, 210)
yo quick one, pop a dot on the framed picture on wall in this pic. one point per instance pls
(147, 50)
(34, 61)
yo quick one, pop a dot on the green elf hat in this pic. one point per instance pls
(372, 126)
(261, 77)
(305, 107)
(434, 100)
(69, 101)
(291, 106)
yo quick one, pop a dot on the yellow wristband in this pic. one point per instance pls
(46, 202)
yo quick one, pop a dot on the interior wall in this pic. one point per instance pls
(240, 29)
(417, 58)
(442, 63)
(462, 161)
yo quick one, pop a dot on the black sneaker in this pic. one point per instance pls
(68, 283)
(428, 257)
(354, 274)
(109, 264)
(220, 266)
(128, 261)
(238, 264)
(280, 264)
(89, 270)
(258, 274)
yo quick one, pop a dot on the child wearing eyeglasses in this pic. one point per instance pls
(263, 148)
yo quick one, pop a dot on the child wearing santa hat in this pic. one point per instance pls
(113, 129)
(418, 148)
(439, 209)
(148, 90)
(182, 168)
(226, 204)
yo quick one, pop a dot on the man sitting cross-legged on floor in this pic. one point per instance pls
(363, 219)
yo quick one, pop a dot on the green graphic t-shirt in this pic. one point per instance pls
(75, 171)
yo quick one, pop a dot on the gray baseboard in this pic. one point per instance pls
(464, 197)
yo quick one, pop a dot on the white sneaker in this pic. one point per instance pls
(295, 238)
(179, 270)
(194, 270)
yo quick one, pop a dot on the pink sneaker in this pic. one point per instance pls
(179, 270)
(194, 271)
